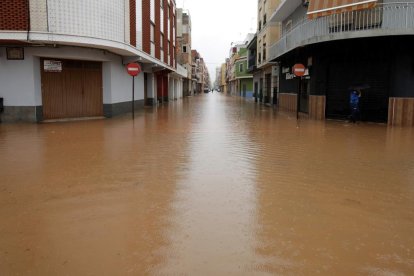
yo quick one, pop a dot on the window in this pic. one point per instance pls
(184, 49)
(264, 19)
(259, 16)
(241, 68)
(152, 13)
(162, 42)
(288, 26)
(162, 4)
(152, 34)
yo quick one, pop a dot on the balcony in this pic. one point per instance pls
(252, 63)
(384, 20)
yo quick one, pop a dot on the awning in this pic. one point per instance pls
(318, 8)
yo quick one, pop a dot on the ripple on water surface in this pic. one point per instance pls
(212, 185)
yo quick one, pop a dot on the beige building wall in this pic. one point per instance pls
(223, 74)
(267, 33)
(38, 15)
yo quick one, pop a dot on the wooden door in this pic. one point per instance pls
(53, 95)
(74, 91)
(73, 88)
(160, 88)
(146, 88)
(92, 89)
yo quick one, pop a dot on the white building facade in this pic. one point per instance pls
(67, 59)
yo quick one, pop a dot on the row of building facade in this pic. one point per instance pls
(67, 59)
(343, 45)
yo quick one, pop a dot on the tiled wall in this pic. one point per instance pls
(93, 18)
(13, 15)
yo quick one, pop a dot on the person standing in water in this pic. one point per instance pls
(354, 100)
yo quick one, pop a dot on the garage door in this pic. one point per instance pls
(71, 89)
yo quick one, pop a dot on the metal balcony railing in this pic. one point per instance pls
(252, 60)
(385, 19)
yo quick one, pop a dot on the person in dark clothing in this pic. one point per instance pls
(354, 105)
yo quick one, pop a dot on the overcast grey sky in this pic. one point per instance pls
(218, 23)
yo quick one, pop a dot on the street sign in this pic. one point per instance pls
(52, 66)
(299, 70)
(133, 69)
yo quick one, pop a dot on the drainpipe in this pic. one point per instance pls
(28, 19)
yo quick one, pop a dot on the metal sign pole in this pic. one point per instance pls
(298, 100)
(299, 71)
(133, 70)
(133, 97)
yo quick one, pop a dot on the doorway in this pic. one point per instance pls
(71, 88)
(268, 88)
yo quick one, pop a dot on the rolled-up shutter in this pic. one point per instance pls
(318, 8)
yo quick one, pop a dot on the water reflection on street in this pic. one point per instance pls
(212, 185)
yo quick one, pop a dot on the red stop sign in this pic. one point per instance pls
(133, 69)
(299, 70)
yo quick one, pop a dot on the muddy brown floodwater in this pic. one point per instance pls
(212, 185)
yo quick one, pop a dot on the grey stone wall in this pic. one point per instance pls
(111, 110)
(21, 114)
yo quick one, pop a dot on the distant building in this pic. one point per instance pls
(243, 78)
(252, 64)
(199, 72)
(184, 49)
(223, 80)
(268, 33)
(239, 80)
(218, 78)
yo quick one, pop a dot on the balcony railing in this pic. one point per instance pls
(252, 60)
(385, 19)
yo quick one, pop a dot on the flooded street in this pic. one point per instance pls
(212, 185)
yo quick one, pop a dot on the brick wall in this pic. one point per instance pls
(133, 22)
(14, 15)
(146, 26)
(157, 38)
(165, 31)
(186, 58)
(172, 26)
(186, 39)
